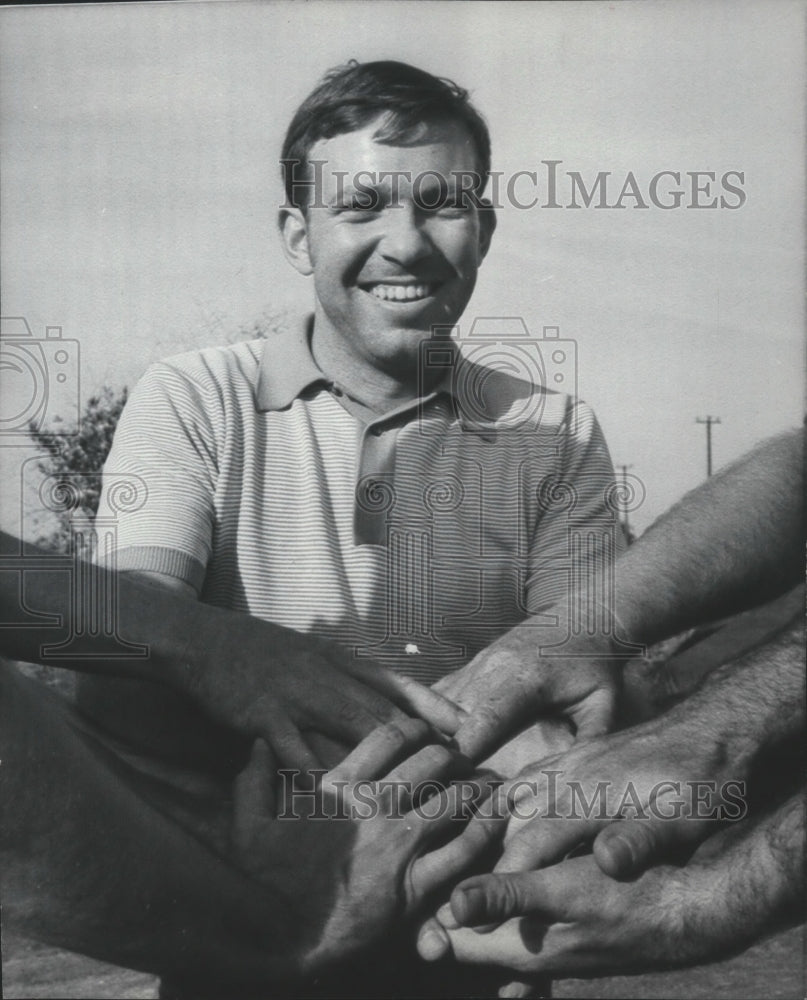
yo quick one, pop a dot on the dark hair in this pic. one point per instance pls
(351, 96)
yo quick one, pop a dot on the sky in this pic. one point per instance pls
(139, 192)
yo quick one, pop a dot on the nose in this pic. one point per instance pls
(405, 240)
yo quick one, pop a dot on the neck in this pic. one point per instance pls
(378, 388)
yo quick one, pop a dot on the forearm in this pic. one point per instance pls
(176, 635)
(752, 887)
(101, 613)
(748, 705)
(90, 865)
(735, 541)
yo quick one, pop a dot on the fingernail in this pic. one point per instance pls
(622, 852)
(431, 945)
(446, 917)
(514, 990)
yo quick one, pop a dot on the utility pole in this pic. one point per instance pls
(708, 422)
(625, 494)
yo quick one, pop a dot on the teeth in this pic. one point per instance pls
(400, 293)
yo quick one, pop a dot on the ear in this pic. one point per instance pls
(294, 232)
(487, 227)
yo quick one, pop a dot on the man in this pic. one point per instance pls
(338, 479)
(734, 745)
(354, 479)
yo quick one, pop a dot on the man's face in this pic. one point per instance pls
(388, 267)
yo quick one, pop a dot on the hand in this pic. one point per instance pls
(567, 921)
(547, 738)
(667, 777)
(268, 681)
(573, 920)
(512, 681)
(356, 875)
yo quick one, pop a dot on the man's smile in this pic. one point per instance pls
(400, 291)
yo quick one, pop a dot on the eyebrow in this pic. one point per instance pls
(383, 188)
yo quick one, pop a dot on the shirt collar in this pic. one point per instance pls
(287, 368)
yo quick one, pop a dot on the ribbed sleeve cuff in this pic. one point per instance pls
(155, 559)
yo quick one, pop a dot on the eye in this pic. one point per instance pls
(446, 204)
(359, 203)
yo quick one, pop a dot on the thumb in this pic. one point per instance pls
(482, 731)
(492, 899)
(628, 847)
(254, 793)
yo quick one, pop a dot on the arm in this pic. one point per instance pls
(92, 861)
(571, 920)
(190, 647)
(733, 542)
(88, 864)
(715, 737)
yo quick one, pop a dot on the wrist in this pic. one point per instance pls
(189, 637)
(583, 627)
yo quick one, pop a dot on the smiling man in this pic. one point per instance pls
(355, 478)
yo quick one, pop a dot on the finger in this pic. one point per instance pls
(381, 750)
(288, 744)
(352, 712)
(448, 863)
(483, 730)
(449, 685)
(330, 752)
(596, 714)
(494, 899)
(545, 824)
(503, 946)
(433, 763)
(543, 842)
(254, 792)
(432, 941)
(519, 989)
(628, 847)
(416, 699)
(420, 784)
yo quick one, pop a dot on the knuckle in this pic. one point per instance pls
(381, 708)
(399, 733)
(441, 757)
(508, 898)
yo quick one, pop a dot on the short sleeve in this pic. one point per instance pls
(577, 532)
(157, 500)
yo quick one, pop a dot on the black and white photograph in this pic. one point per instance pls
(402, 414)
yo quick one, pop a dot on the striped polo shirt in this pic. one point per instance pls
(416, 538)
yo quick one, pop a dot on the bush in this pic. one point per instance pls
(78, 459)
